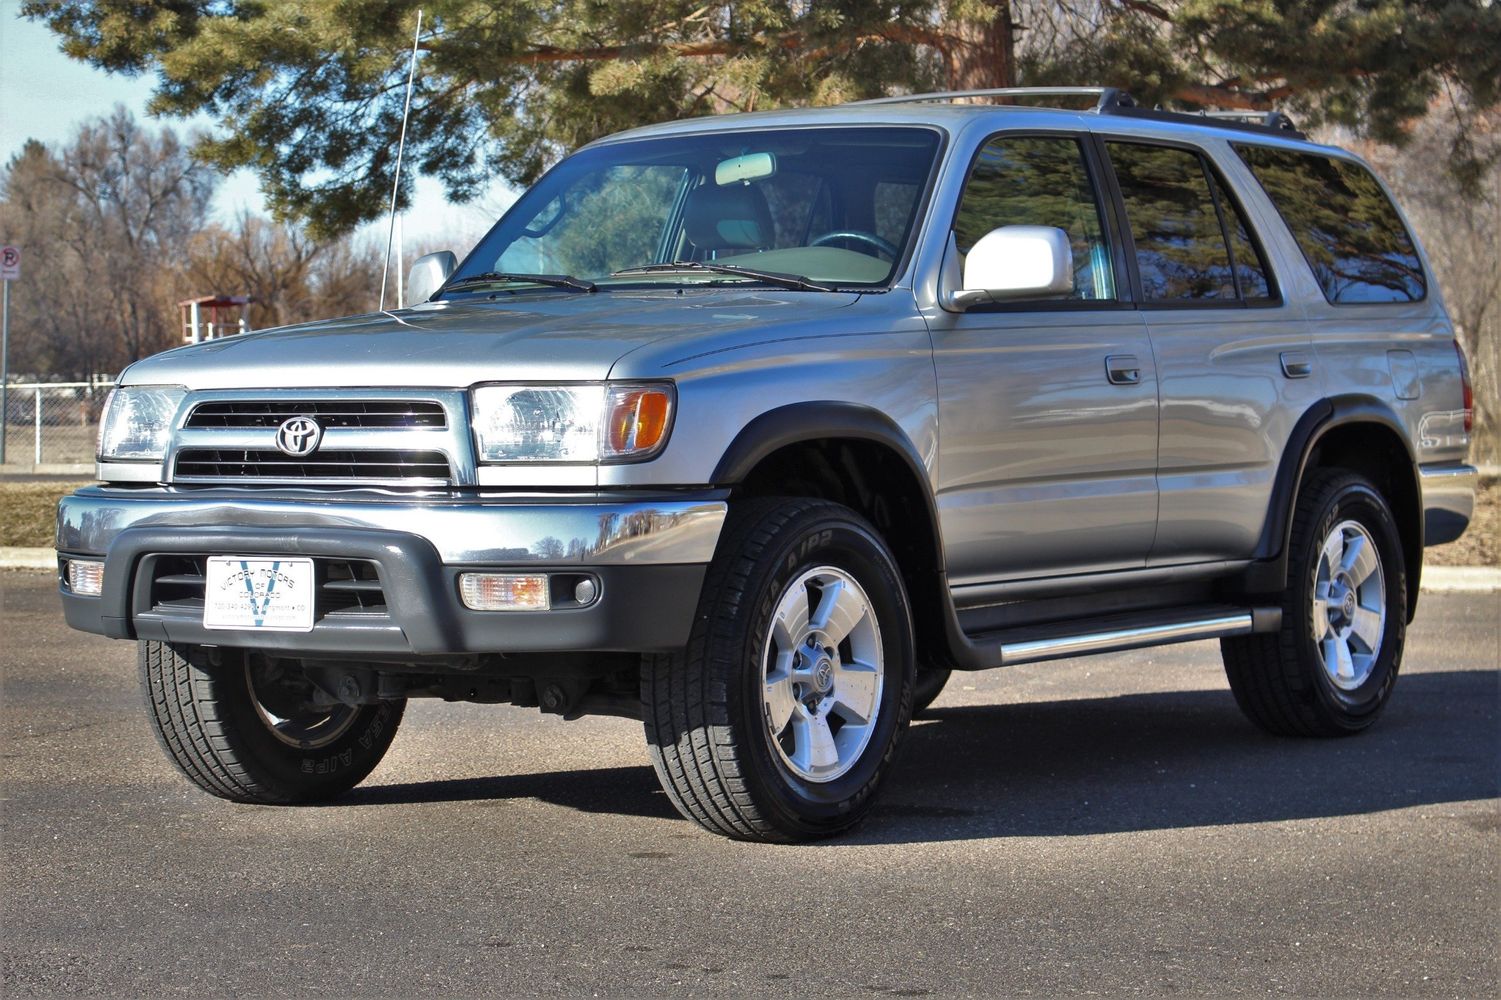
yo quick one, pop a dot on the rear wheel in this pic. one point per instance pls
(781, 716)
(251, 728)
(1331, 668)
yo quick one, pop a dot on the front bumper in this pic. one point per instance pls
(648, 556)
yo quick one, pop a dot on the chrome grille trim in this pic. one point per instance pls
(396, 414)
(426, 468)
(228, 437)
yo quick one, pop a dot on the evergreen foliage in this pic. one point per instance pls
(310, 91)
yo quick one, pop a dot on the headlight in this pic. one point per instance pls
(137, 423)
(571, 423)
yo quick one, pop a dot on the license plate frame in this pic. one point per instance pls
(258, 594)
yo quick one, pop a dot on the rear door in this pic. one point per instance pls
(1047, 409)
(1234, 361)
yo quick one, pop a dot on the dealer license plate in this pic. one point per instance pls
(262, 595)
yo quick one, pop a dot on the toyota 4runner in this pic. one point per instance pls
(756, 427)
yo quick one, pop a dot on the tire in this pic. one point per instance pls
(930, 682)
(1331, 668)
(217, 730)
(733, 722)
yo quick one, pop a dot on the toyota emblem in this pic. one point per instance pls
(298, 436)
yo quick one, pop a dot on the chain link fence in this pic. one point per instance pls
(52, 423)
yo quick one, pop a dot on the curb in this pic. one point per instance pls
(1436, 579)
(1461, 579)
(17, 558)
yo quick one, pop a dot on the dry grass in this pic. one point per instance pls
(28, 514)
(1481, 545)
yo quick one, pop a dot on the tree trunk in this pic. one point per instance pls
(982, 56)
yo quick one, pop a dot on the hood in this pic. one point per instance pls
(532, 336)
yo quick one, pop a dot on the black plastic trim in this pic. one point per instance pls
(814, 421)
(646, 608)
(1269, 573)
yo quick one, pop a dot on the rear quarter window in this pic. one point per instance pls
(1346, 226)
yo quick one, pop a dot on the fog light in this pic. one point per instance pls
(503, 592)
(586, 591)
(86, 577)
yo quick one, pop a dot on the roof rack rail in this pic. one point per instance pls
(1113, 101)
(1266, 119)
(1106, 98)
(1242, 121)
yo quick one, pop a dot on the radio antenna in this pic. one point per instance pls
(401, 146)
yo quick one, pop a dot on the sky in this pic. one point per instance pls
(44, 95)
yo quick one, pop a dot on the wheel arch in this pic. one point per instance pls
(858, 456)
(1361, 433)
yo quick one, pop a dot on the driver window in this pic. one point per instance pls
(1039, 181)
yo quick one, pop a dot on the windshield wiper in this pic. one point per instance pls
(554, 280)
(771, 277)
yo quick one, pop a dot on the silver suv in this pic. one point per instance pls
(754, 428)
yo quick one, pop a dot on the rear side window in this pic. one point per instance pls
(1346, 226)
(1192, 243)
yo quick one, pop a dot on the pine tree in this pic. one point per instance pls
(309, 92)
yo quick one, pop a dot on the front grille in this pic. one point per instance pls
(323, 466)
(401, 414)
(345, 586)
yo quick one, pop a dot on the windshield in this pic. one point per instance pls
(830, 206)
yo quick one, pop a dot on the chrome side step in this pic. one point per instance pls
(1113, 633)
(1217, 627)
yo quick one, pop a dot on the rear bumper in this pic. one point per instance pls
(1448, 501)
(647, 556)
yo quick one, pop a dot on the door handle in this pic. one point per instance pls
(1296, 364)
(1123, 369)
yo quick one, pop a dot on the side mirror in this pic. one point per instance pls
(428, 274)
(1015, 262)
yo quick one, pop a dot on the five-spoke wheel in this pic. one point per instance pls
(822, 674)
(1349, 605)
(1331, 667)
(779, 719)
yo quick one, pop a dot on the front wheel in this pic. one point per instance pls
(249, 728)
(781, 716)
(1331, 668)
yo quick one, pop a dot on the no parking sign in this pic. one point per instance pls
(10, 263)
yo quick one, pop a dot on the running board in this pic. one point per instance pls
(1113, 633)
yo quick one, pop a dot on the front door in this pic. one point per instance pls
(1047, 410)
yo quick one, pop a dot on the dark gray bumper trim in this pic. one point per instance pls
(643, 608)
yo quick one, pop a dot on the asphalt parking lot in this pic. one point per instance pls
(1098, 826)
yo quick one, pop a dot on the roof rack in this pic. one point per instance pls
(1114, 101)
(1106, 98)
(1266, 119)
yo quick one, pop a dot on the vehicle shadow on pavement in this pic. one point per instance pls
(625, 791)
(1132, 762)
(1179, 759)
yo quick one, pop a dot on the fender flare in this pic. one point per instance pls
(797, 423)
(1269, 573)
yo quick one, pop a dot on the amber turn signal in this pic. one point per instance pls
(637, 422)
